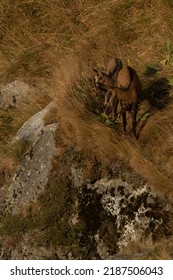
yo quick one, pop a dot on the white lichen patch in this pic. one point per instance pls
(131, 208)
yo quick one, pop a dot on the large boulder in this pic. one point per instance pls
(32, 174)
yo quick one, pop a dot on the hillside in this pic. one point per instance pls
(52, 46)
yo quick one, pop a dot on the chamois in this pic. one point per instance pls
(126, 88)
(128, 92)
(109, 79)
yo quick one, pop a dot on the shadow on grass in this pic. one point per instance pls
(157, 94)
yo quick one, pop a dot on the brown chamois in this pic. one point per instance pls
(128, 92)
(109, 79)
(113, 78)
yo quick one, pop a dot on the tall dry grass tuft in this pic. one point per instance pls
(33, 35)
(157, 141)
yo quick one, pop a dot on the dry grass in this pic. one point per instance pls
(57, 43)
(157, 141)
(162, 250)
(39, 33)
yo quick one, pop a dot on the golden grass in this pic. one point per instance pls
(157, 141)
(162, 250)
(36, 34)
(57, 43)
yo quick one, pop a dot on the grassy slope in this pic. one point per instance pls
(57, 42)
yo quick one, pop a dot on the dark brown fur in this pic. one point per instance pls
(126, 89)
(109, 79)
(127, 93)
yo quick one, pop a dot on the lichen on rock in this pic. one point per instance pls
(32, 175)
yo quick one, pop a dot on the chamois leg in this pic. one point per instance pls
(124, 121)
(134, 114)
(107, 99)
(108, 104)
(114, 110)
(111, 106)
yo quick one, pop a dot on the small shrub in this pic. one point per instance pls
(169, 53)
(12, 224)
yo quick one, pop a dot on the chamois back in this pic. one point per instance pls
(125, 77)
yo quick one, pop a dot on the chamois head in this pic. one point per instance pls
(102, 80)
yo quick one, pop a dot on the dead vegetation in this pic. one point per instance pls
(58, 42)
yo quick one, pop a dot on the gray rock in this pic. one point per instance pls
(13, 94)
(32, 175)
(32, 128)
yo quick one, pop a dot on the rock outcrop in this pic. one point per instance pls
(97, 208)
